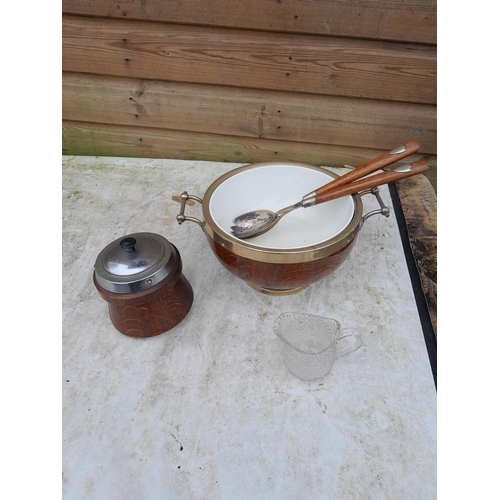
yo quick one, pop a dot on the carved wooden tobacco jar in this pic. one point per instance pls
(140, 276)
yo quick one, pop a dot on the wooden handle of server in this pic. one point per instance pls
(372, 166)
(417, 167)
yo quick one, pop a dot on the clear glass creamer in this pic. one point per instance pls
(311, 344)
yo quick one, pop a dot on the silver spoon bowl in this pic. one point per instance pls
(253, 223)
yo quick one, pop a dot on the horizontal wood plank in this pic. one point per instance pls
(403, 20)
(248, 113)
(297, 63)
(92, 139)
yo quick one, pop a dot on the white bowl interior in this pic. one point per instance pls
(274, 187)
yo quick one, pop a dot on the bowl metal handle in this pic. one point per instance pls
(181, 217)
(384, 209)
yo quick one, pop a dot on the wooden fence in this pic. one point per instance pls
(327, 82)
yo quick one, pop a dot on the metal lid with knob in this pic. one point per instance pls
(135, 262)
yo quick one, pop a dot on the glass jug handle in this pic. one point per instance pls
(350, 340)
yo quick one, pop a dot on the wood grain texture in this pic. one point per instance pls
(406, 20)
(92, 139)
(419, 203)
(248, 113)
(151, 315)
(262, 60)
(279, 277)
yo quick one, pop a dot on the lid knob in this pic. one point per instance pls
(128, 244)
